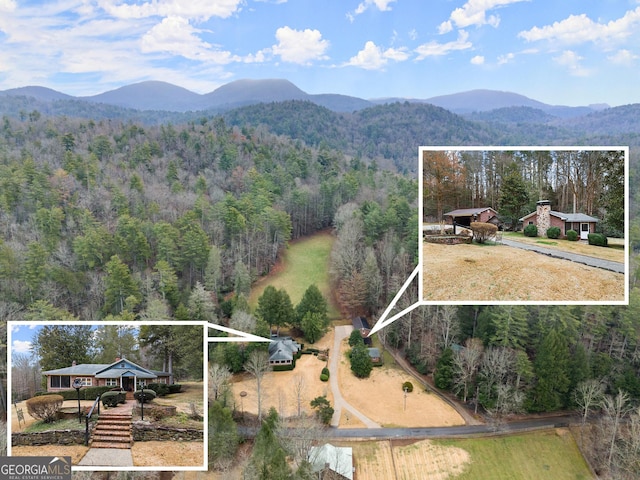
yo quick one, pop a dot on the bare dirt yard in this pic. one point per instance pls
(499, 272)
(381, 398)
(407, 460)
(277, 387)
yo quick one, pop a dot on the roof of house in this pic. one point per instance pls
(468, 212)
(567, 217)
(360, 323)
(120, 368)
(374, 352)
(338, 459)
(283, 348)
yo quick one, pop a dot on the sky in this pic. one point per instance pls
(569, 52)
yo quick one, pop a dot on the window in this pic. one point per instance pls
(111, 382)
(60, 381)
(85, 381)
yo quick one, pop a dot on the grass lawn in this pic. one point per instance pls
(614, 253)
(305, 262)
(551, 454)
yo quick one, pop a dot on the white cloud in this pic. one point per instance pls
(474, 12)
(623, 57)
(382, 5)
(21, 346)
(571, 60)
(413, 34)
(434, 49)
(506, 58)
(193, 9)
(577, 29)
(300, 46)
(175, 35)
(477, 60)
(7, 5)
(372, 57)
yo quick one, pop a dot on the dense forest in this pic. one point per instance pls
(119, 219)
(511, 182)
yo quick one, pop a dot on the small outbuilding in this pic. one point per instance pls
(464, 217)
(361, 324)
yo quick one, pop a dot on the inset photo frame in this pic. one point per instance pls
(524, 225)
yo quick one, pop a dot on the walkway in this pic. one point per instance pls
(107, 448)
(340, 333)
(574, 257)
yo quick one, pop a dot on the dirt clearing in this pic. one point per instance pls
(278, 387)
(381, 398)
(488, 273)
(422, 459)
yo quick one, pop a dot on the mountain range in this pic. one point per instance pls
(163, 96)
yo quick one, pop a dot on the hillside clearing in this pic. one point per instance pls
(303, 263)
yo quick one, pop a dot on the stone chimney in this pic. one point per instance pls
(543, 211)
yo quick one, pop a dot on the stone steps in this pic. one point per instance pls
(112, 431)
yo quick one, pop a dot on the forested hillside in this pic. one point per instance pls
(101, 218)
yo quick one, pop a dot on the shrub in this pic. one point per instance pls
(45, 407)
(355, 338)
(161, 389)
(483, 231)
(572, 235)
(553, 232)
(597, 239)
(91, 393)
(149, 394)
(112, 399)
(530, 231)
(324, 378)
(175, 388)
(407, 386)
(325, 371)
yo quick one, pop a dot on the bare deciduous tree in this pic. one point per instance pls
(219, 376)
(257, 365)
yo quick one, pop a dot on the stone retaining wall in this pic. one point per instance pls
(53, 437)
(143, 432)
(447, 239)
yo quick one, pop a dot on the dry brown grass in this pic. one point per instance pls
(168, 454)
(76, 452)
(580, 247)
(380, 397)
(490, 273)
(277, 387)
(406, 460)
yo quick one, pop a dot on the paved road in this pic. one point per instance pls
(442, 432)
(585, 260)
(341, 332)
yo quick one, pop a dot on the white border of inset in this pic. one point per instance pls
(205, 389)
(516, 148)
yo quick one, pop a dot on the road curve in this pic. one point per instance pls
(339, 403)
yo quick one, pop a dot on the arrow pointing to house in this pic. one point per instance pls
(240, 336)
(383, 321)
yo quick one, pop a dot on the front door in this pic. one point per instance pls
(584, 231)
(127, 383)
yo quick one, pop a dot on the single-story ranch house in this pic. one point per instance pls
(283, 350)
(122, 373)
(544, 218)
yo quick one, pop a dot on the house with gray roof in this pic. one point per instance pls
(283, 351)
(544, 218)
(121, 373)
